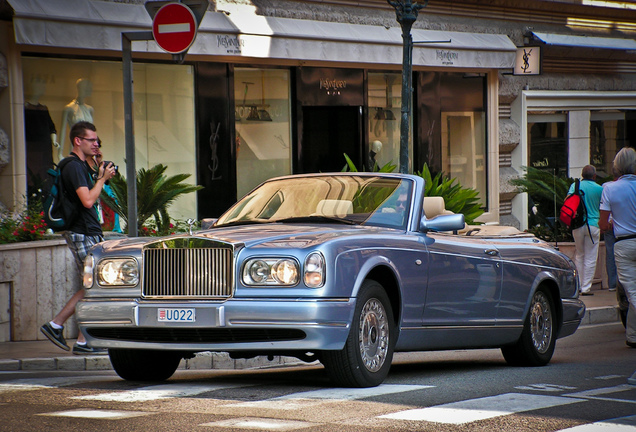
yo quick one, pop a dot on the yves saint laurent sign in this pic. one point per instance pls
(528, 61)
(330, 86)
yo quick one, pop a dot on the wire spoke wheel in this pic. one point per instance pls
(366, 357)
(374, 335)
(535, 346)
(541, 323)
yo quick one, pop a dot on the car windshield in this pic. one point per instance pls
(350, 199)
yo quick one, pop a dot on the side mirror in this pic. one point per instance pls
(453, 222)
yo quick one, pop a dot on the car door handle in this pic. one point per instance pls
(491, 252)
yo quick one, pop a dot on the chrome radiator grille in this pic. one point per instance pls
(197, 273)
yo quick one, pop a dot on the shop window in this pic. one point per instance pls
(72, 90)
(463, 149)
(547, 142)
(385, 104)
(607, 136)
(451, 127)
(263, 128)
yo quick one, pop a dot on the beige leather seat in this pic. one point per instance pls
(332, 207)
(435, 206)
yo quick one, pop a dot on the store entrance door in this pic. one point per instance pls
(328, 132)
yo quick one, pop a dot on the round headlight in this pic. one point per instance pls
(285, 272)
(118, 272)
(258, 271)
(271, 272)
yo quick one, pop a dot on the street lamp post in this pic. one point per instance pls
(406, 13)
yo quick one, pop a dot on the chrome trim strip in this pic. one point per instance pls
(291, 323)
(106, 322)
(447, 327)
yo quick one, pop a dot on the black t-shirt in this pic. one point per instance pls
(75, 175)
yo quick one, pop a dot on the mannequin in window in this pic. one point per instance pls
(77, 110)
(40, 135)
(376, 147)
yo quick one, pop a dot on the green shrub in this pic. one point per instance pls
(546, 193)
(155, 193)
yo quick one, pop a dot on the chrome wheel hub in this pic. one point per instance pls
(541, 323)
(373, 337)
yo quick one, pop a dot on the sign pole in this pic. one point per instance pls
(129, 136)
(197, 9)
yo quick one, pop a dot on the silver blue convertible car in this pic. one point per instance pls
(344, 268)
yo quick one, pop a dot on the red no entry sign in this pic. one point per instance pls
(174, 28)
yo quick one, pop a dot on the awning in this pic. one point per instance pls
(98, 25)
(586, 41)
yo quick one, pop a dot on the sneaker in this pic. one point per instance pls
(630, 344)
(612, 289)
(586, 293)
(86, 349)
(55, 335)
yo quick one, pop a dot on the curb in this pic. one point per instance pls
(601, 315)
(201, 361)
(209, 360)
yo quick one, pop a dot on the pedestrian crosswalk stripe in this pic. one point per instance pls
(162, 391)
(314, 397)
(600, 393)
(545, 387)
(623, 424)
(97, 414)
(480, 409)
(41, 383)
(261, 423)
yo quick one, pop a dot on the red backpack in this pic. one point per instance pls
(573, 212)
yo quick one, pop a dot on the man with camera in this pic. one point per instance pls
(85, 230)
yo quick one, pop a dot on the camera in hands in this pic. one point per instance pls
(106, 163)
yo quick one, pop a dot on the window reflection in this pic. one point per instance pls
(607, 136)
(163, 114)
(385, 102)
(263, 135)
(547, 142)
(464, 148)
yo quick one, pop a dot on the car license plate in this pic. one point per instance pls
(176, 315)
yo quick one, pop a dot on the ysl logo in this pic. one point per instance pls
(526, 62)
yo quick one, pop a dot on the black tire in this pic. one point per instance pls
(366, 357)
(538, 338)
(144, 365)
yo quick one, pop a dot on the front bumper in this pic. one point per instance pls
(573, 312)
(234, 325)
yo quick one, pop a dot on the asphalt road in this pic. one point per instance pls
(584, 389)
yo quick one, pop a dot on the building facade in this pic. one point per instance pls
(279, 87)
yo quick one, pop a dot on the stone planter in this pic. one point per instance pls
(600, 277)
(36, 280)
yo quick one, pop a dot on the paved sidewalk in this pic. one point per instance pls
(43, 355)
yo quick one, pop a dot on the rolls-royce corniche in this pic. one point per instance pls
(343, 268)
